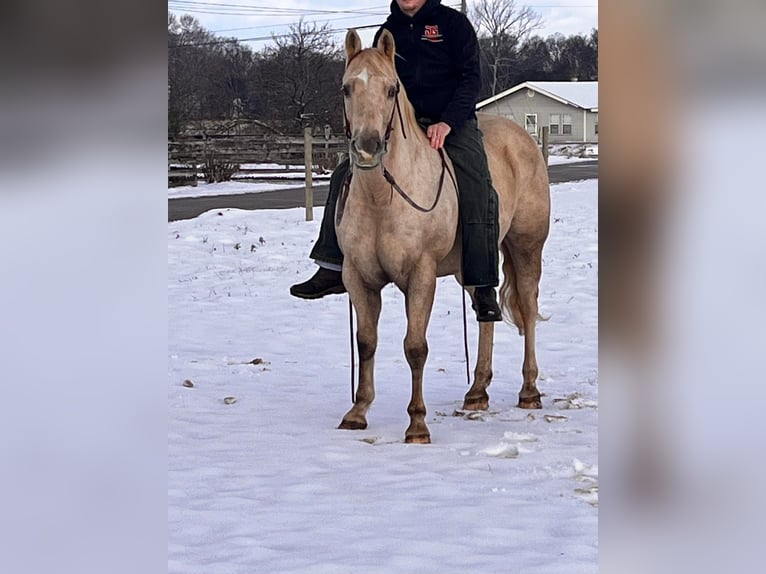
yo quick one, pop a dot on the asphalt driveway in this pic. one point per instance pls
(189, 207)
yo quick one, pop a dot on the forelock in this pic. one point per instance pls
(373, 59)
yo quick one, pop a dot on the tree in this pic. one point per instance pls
(502, 25)
(534, 61)
(213, 78)
(185, 61)
(208, 77)
(301, 75)
(574, 56)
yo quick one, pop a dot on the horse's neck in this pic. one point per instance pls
(406, 155)
(407, 160)
(370, 184)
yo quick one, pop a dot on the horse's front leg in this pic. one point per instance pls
(367, 303)
(419, 299)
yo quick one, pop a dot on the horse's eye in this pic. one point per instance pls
(346, 89)
(391, 91)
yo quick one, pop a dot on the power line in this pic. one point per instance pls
(261, 38)
(227, 9)
(189, 6)
(244, 10)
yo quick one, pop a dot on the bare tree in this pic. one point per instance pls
(188, 67)
(505, 21)
(502, 25)
(301, 75)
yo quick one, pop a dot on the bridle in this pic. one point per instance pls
(389, 128)
(396, 108)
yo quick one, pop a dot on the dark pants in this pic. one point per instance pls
(478, 209)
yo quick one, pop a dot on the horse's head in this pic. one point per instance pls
(370, 91)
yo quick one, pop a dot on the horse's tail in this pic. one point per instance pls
(509, 294)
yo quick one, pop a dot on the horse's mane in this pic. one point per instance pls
(405, 105)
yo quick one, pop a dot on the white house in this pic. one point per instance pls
(570, 109)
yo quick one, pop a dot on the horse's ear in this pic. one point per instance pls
(353, 45)
(386, 44)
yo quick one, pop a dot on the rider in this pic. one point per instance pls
(437, 60)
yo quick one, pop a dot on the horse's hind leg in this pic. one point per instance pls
(367, 303)
(527, 260)
(477, 399)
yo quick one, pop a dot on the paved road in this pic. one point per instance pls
(189, 207)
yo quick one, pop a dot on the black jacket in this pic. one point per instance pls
(437, 59)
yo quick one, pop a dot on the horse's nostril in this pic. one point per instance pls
(368, 144)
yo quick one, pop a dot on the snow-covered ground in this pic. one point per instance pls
(229, 188)
(559, 159)
(291, 178)
(259, 478)
(566, 153)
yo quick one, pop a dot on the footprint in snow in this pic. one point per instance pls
(510, 447)
(588, 477)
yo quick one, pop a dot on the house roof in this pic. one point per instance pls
(579, 94)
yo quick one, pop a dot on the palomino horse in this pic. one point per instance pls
(385, 238)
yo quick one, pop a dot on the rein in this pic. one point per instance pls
(390, 179)
(396, 109)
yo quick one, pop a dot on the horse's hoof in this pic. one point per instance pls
(352, 425)
(418, 439)
(530, 402)
(476, 403)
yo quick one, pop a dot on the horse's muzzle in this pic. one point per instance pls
(366, 151)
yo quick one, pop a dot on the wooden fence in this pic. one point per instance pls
(188, 156)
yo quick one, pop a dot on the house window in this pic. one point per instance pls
(566, 128)
(554, 124)
(530, 121)
(596, 124)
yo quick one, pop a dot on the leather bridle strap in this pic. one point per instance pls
(389, 128)
(398, 109)
(351, 337)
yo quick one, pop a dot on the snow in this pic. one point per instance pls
(228, 188)
(295, 177)
(278, 178)
(265, 482)
(559, 159)
(584, 94)
(580, 94)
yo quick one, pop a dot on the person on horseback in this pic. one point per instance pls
(437, 61)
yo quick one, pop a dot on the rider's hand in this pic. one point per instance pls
(437, 133)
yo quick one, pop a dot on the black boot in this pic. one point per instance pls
(323, 282)
(485, 305)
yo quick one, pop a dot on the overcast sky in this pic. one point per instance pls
(260, 18)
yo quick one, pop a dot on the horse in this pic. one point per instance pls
(411, 237)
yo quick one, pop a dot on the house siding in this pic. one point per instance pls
(517, 105)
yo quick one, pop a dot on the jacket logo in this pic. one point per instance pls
(432, 34)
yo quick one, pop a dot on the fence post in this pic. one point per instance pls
(545, 144)
(307, 155)
(326, 156)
